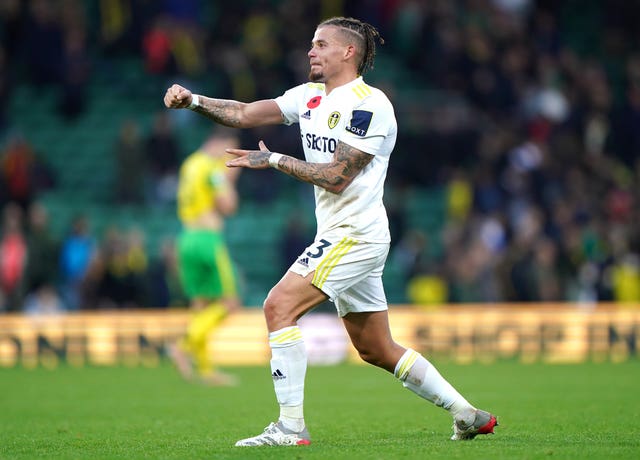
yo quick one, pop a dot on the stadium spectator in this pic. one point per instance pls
(43, 251)
(428, 289)
(471, 274)
(411, 253)
(18, 159)
(116, 276)
(76, 253)
(137, 265)
(23, 174)
(156, 45)
(120, 24)
(76, 74)
(546, 279)
(162, 154)
(345, 262)
(165, 289)
(114, 284)
(13, 256)
(43, 301)
(187, 47)
(130, 159)
(90, 292)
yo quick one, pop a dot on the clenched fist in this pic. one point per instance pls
(177, 97)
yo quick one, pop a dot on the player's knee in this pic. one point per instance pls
(379, 354)
(269, 308)
(370, 355)
(276, 311)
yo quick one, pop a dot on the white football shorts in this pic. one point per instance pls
(348, 271)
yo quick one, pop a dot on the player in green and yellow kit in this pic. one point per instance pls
(206, 194)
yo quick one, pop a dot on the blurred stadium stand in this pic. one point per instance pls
(462, 76)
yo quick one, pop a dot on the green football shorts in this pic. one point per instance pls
(204, 265)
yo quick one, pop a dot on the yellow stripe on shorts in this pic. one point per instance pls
(290, 335)
(406, 365)
(332, 259)
(225, 271)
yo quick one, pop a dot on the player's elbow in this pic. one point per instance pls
(338, 185)
(335, 189)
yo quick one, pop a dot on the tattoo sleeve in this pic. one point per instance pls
(335, 176)
(223, 111)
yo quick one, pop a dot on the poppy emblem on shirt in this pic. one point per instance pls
(334, 118)
(314, 102)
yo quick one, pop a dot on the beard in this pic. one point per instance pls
(316, 76)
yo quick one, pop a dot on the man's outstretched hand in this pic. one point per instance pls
(253, 159)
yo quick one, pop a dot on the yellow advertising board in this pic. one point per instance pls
(557, 333)
(549, 333)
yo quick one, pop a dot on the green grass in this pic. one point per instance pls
(587, 411)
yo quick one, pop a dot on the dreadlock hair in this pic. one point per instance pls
(366, 35)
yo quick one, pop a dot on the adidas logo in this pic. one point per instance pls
(304, 261)
(306, 115)
(278, 375)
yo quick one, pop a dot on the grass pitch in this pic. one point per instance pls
(586, 411)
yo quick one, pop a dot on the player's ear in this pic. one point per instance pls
(349, 52)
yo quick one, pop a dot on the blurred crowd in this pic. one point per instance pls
(524, 116)
(44, 274)
(536, 146)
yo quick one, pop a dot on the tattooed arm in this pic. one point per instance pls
(334, 177)
(224, 111)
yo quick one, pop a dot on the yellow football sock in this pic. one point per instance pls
(202, 323)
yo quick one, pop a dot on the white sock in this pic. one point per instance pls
(288, 369)
(421, 377)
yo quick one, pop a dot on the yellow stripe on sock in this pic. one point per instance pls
(290, 335)
(334, 256)
(406, 365)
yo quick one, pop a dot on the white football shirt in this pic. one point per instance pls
(361, 116)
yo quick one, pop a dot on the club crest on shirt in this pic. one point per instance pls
(334, 118)
(360, 121)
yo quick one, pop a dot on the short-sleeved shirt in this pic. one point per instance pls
(358, 115)
(201, 178)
